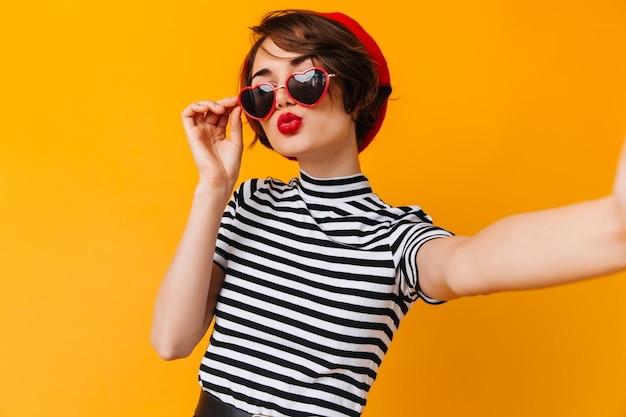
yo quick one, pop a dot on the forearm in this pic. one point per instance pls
(181, 314)
(532, 250)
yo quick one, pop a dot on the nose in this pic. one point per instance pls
(282, 98)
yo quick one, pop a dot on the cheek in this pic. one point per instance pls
(266, 127)
(270, 129)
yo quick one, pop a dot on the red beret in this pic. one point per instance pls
(381, 65)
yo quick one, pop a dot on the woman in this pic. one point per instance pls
(309, 280)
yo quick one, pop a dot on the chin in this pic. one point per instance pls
(290, 146)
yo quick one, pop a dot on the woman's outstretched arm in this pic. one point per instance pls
(532, 250)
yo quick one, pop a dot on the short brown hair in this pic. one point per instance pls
(333, 47)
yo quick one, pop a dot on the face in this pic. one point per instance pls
(322, 134)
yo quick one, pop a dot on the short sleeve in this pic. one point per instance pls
(409, 234)
(227, 225)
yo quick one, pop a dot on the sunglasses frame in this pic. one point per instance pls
(275, 89)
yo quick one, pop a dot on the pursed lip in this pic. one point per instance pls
(288, 123)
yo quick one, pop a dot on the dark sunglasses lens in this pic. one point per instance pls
(258, 102)
(307, 88)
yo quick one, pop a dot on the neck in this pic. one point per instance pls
(338, 161)
(330, 167)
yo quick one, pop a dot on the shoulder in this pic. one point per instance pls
(263, 186)
(397, 215)
(410, 226)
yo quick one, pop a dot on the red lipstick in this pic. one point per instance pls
(288, 123)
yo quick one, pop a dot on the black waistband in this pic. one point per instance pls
(209, 406)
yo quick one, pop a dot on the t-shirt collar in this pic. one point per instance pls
(335, 188)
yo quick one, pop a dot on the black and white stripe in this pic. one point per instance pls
(319, 273)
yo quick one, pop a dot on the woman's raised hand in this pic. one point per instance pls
(218, 158)
(185, 304)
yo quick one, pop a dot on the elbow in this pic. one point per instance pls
(169, 350)
(448, 271)
(456, 267)
(170, 354)
(463, 280)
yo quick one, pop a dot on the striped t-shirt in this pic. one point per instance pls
(319, 273)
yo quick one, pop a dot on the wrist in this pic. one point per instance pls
(217, 192)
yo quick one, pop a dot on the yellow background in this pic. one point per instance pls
(499, 107)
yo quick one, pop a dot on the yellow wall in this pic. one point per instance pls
(500, 106)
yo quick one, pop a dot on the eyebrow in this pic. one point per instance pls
(293, 62)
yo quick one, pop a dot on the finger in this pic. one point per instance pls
(219, 118)
(619, 186)
(236, 127)
(194, 112)
(229, 103)
(204, 108)
(207, 111)
(197, 107)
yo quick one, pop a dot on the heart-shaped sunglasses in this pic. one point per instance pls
(307, 88)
